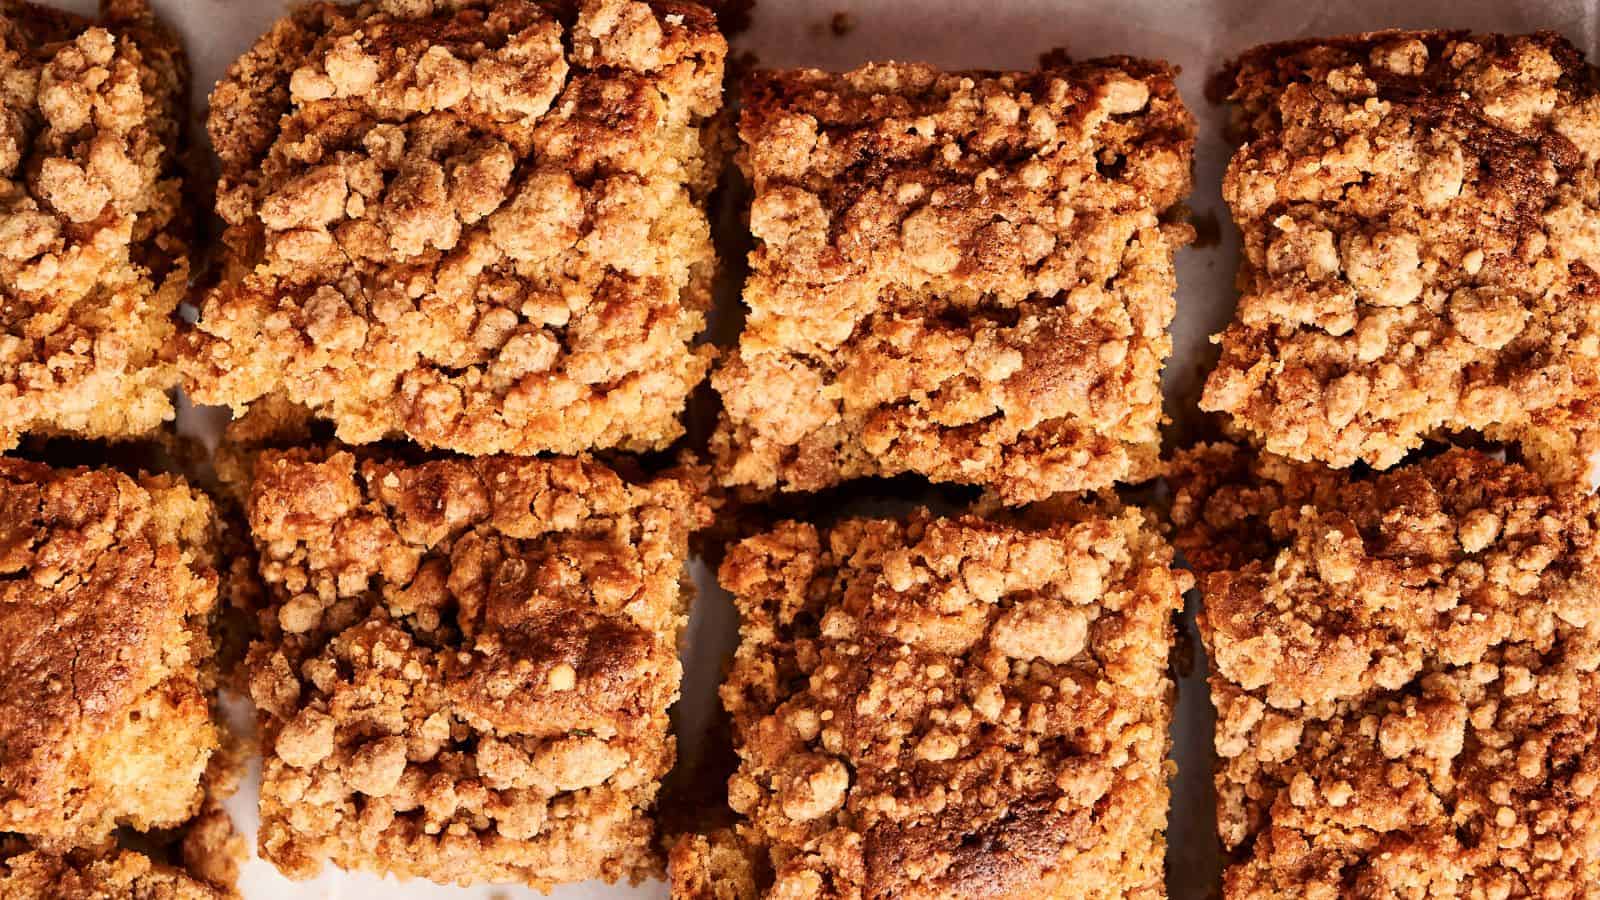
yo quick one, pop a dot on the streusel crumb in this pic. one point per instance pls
(967, 276)
(94, 241)
(1420, 214)
(946, 708)
(118, 875)
(1406, 675)
(466, 223)
(109, 584)
(466, 664)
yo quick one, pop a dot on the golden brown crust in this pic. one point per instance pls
(1421, 239)
(94, 241)
(960, 707)
(107, 592)
(1407, 675)
(467, 664)
(467, 223)
(965, 275)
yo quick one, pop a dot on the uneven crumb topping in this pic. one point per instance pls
(107, 586)
(968, 276)
(956, 707)
(1407, 675)
(467, 664)
(1421, 235)
(120, 875)
(466, 224)
(93, 233)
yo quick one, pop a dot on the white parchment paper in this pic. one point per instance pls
(1197, 35)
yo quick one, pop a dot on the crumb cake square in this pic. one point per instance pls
(1406, 671)
(107, 587)
(468, 223)
(1421, 236)
(467, 663)
(946, 708)
(94, 242)
(962, 275)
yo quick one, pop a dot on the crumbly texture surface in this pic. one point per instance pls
(93, 232)
(1406, 675)
(963, 275)
(466, 664)
(1421, 236)
(467, 223)
(118, 875)
(107, 585)
(947, 707)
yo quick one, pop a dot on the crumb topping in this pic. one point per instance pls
(466, 224)
(953, 707)
(93, 234)
(968, 276)
(1421, 235)
(120, 875)
(1407, 669)
(108, 586)
(467, 664)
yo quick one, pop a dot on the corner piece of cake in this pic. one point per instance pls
(466, 664)
(1406, 672)
(947, 707)
(94, 233)
(472, 224)
(109, 585)
(1420, 214)
(966, 275)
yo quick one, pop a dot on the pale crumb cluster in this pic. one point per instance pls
(1406, 670)
(965, 276)
(467, 224)
(1420, 214)
(105, 717)
(947, 707)
(466, 664)
(94, 243)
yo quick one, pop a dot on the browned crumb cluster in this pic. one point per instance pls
(107, 591)
(466, 223)
(1406, 675)
(1420, 214)
(93, 234)
(967, 276)
(118, 875)
(947, 707)
(467, 664)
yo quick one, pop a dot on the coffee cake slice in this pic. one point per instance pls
(1421, 236)
(962, 275)
(947, 708)
(109, 584)
(466, 664)
(94, 234)
(468, 223)
(1406, 671)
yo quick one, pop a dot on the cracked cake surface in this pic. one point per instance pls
(947, 707)
(1420, 242)
(963, 275)
(477, 225)
(108, 590)
(466, 664)
(94, 240)
(1406, 671)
